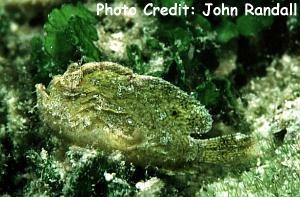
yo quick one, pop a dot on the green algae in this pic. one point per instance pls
(69, 36)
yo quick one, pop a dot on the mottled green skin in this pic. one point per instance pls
(107, 106)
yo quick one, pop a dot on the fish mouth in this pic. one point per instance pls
(41, 91)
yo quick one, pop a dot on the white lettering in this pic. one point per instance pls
(277, 10)
(175, 10)
(148, 6)
(207, 13)
(249, 9)
(100, 8)
(116, 11)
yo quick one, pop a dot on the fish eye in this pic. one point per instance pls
(174, 113)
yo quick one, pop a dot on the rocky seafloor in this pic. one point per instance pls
(247, 79)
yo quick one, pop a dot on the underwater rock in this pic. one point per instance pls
(287, 119)
(119, 36)
(29, 3)
(152, 187)
(273, 99)
(27, 9)
(108, 107)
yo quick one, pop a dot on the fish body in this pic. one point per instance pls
(150, 121)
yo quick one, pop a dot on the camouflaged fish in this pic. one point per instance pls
(107, 106)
